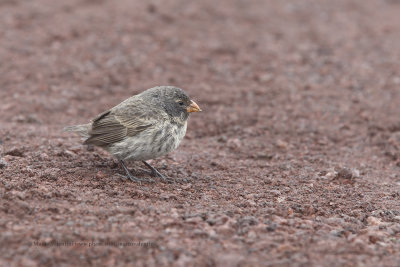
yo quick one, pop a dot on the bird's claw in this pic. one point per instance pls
(164, 178)
(183, 180)
(135, 179)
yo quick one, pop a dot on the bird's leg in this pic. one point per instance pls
(130, 176)
(154, 172)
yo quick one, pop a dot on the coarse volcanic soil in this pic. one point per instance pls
(295, 159)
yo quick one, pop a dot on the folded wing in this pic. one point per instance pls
(114, 125)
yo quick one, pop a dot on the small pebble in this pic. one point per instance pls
(344, 173)
(100, 175)
(3, 163)
(16, 152)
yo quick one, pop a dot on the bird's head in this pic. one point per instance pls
(176, 102)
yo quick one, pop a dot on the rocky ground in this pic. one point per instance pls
(295, 159)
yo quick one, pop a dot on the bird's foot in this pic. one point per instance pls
(136, 179)
(133, 178)
(164, 178)
(183, 180)
(156, 173)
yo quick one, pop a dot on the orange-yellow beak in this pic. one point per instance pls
(193, 107)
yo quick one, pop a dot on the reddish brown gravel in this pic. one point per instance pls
(294, 161)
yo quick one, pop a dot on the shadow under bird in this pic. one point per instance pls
(144, 126)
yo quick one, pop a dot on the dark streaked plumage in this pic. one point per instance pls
(145, 126)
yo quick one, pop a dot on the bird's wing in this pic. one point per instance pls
(114, 125)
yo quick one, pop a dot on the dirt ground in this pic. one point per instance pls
(295, 159)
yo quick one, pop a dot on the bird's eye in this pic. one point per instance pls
(180, 103)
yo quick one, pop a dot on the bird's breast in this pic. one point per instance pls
(170, 137)
(154, 142)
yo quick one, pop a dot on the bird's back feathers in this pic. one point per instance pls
(127, 119)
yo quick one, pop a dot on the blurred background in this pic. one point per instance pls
(77, 57)
(295, 158)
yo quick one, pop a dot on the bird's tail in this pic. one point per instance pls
(82, 130)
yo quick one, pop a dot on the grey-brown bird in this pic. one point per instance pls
(144, 126)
